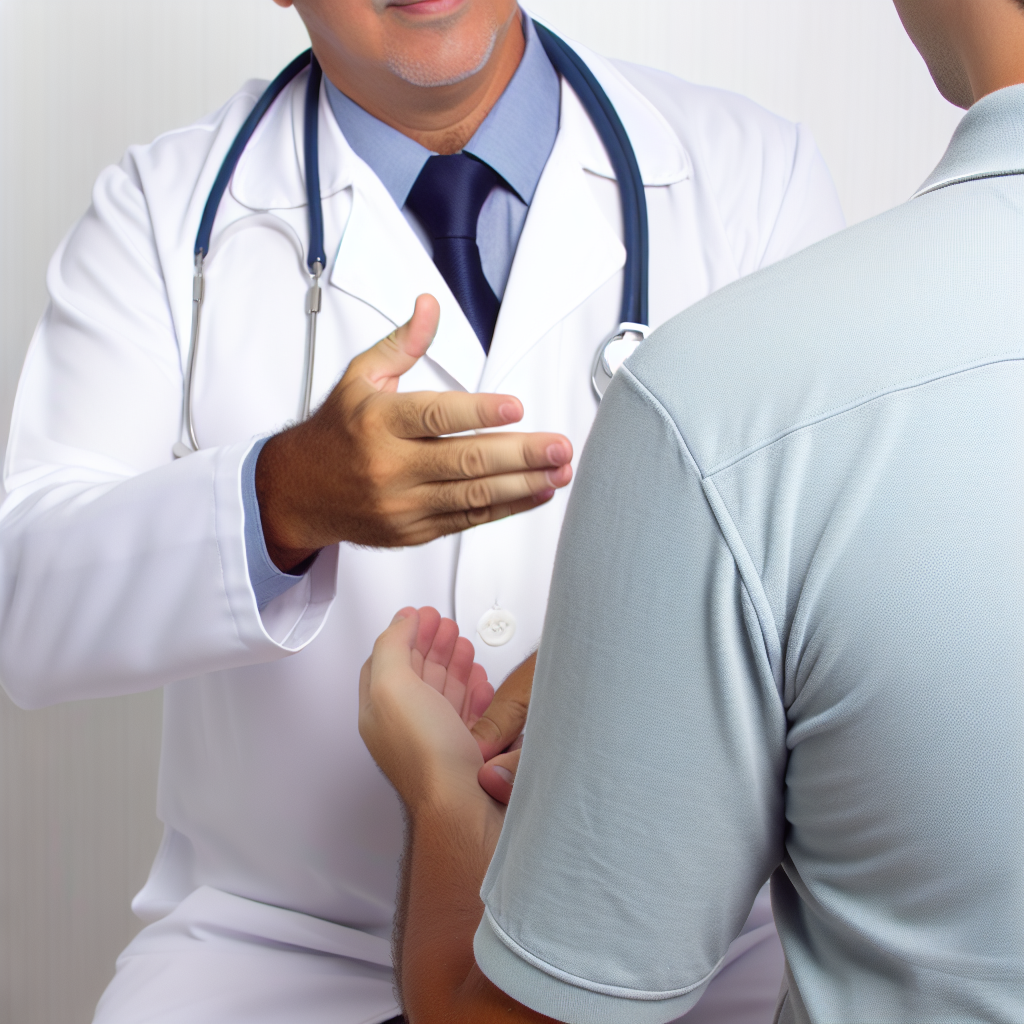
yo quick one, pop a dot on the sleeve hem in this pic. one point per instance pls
(551, 992)
(296, 623)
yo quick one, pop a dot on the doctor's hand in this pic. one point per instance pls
(376, 467)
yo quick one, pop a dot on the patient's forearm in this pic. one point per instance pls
(448, 849)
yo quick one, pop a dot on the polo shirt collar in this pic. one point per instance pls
(988, 142)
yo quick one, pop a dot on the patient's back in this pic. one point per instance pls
(883, 512)
(786, 625)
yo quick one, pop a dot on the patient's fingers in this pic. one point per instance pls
(479, 694)
(444, 661)
(435, 664)
(461, 662)
(498, 775)
(428, 619)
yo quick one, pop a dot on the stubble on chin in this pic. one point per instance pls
(448, 58)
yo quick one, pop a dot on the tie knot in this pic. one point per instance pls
(449, 193)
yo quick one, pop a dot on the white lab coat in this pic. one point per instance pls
(123, 570)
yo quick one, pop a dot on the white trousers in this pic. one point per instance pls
(221, 959)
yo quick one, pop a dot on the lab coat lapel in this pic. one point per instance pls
(382, 263)
(379, 261)
(569, 248)
(566, 252)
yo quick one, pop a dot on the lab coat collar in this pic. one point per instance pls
(659, 153)
(381, 262)
(567, 238)
(988, 142)
(271, 174)
(567, 250)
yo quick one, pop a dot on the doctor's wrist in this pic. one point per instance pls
(288, 542)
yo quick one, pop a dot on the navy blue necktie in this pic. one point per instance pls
(446, 199)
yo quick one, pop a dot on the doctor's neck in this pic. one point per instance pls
(432, 69)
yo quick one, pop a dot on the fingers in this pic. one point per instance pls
(395, 646)
(461, 663)
(435, 413)
(430, 619)
(504, 719)
(506, 489)
(487, 455)
(498, 776)
(385, 362)
(454, 522)
(435, 661)
(479, 694)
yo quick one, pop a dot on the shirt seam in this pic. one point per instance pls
(750, 579)
(856, 403)
(616, 991)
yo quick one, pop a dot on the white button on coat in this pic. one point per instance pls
(496, 627)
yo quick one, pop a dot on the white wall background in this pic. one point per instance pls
(81, 79)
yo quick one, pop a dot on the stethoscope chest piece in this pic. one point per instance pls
(613, 352)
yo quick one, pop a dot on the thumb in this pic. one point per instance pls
(385, 362)
(503, 721)
(498, 776)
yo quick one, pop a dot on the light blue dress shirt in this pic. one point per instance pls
(785, 637)
(515, 139)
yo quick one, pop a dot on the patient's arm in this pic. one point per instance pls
(422, 744)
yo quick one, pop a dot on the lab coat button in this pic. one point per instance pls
(496, 627)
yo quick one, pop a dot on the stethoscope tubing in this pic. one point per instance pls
(606, 121)
(603, 115)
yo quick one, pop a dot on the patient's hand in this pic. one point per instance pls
(444, 660)
(417, 692)
(436, 655)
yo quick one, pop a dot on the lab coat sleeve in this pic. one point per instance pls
(809, 209)
(120, 568)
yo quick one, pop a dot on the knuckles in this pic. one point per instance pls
(470, 462)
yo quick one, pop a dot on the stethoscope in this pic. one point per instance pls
(613, 350)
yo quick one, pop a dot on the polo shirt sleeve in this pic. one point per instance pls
(648, 808)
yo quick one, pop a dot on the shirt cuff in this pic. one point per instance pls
(267, 580)
(556, 994)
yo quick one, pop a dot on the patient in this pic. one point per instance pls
(785, 639)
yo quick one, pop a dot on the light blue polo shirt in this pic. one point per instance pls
(786, 638)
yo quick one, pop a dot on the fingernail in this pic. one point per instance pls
(544, 496)
(399, 617)
(558, 454)
(502, 773)
(508, 411)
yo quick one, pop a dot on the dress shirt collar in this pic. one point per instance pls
(988, 142)
(516, 137)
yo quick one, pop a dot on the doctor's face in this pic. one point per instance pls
(422, 43)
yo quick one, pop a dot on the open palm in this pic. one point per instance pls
(444, 660)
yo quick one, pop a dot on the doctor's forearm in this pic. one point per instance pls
(447, 853)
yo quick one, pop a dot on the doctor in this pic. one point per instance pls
(124, 568)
